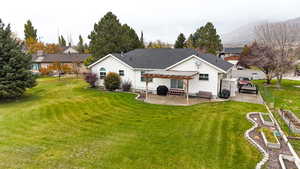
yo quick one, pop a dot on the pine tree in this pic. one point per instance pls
(207, 39)
(15, 74)
(180, 42)
(61, 41)
(80, 45)
(190, 43)
(142, 40)
(110, 36)
(29, 31)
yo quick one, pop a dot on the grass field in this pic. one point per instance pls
(63, 124)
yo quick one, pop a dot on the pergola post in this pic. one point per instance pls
(146, 89)
(187, 91)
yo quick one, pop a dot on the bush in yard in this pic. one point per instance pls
(45, 71)
(90, 78)
(15, 66)
(112, 81)
(126, 85)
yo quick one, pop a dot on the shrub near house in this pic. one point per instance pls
(112, 81)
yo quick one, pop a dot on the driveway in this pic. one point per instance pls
(249, 98)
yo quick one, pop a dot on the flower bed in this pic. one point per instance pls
(269, 138)
(266, 119)
(291, 120)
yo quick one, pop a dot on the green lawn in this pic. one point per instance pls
(63, 124)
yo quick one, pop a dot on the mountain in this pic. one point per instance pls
(245, 34)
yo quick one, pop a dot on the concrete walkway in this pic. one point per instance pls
(249, 98)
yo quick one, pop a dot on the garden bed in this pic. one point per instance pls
(266, 119)
(270, 139)
(287, 162)
(291, 120)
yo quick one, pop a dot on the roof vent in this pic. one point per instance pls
(122, 54)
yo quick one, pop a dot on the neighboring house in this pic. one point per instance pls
(174, 68)
(233, 60)
(70, 49)
(233, 51)
(41, 60)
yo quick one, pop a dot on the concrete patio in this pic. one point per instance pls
(249, 98)
(175, 100)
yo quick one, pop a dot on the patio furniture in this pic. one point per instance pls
(174, 91)
(203, 94)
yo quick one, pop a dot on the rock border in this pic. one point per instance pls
(265, 154)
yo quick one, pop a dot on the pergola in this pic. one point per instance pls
(171, 74)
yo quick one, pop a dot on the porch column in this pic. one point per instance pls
(187, 91)
(146, 89)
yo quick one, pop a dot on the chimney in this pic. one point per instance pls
(122, 54)
(40, 53)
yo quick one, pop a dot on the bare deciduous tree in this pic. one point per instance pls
(260, 56)
(280, 37)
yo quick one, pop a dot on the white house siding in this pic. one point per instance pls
(196, 85)
(113, 65)
(151, 85)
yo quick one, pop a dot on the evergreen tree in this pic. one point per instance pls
(190, 43)
(15, 74)
(110, 36)
(61, 41)
(180, 42)
(29, 31)
(207, 39)
(142, 40)
(80, 45)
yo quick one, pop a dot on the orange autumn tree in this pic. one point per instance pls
(60, 68)
(33, 45)
(52, 48)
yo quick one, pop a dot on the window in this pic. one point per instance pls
(36, 66)
(121, 72)
(143, 79)
(178, 84)
(102, 73)
(203, 76)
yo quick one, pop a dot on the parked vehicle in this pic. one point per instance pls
(243, 81)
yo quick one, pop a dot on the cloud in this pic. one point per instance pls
(159, 19)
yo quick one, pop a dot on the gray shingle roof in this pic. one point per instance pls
(234, 50)
(165, 57)
(61, 57)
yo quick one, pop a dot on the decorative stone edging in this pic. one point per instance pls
(265, 154)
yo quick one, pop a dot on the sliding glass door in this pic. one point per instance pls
(178, 84)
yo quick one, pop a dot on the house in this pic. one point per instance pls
(174, 68)
(231, 51)
(70, 49)
(42, 60)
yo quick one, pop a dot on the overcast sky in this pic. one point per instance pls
(158, 19)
